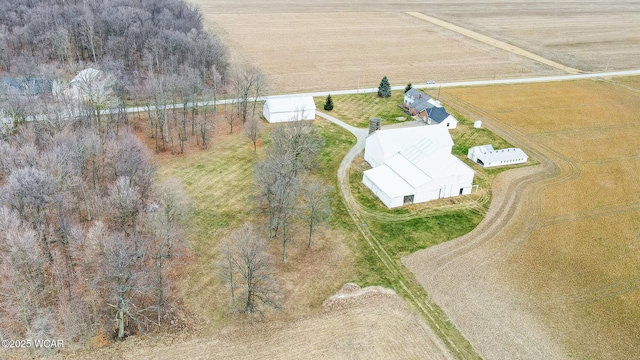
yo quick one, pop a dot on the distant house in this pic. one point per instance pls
(414, 165)
(428, 109)
(25, 86)
(289, 108)
(89, 84)
(487, 156)
(22, 88)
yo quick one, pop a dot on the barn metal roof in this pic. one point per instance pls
(419, 139)
(414, 156)
(279, 104)
(490, 155)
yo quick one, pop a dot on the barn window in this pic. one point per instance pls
(408, 199)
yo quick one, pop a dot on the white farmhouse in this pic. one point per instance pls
(289, 108)
(487, 156)
(428, 109)
(414, 165)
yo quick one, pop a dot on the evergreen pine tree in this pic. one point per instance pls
(384, 90)
(328, 105)
(408, 87)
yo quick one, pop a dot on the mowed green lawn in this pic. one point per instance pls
(219, 183)
(408, 229)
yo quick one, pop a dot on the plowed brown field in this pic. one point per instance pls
(553, 270)
(324, 45)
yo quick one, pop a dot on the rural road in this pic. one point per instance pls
(542, 79)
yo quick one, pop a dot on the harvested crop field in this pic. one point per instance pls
(552, 271)
(370, 323)
(312, 51)
(591, 36)
(314, 45)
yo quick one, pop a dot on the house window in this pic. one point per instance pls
(461, 189)
(447, 124)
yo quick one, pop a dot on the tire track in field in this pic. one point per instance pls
(449, 342)
(476, 252)
(495, 43)
(554, 169)
(465, 259)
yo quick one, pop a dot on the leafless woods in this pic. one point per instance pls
(88, 243)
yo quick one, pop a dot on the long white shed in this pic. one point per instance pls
(289, 108)
(487, 156)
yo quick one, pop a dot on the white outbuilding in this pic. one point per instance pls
(487, 156)
(413, 165)
(289, 108)
(90, 85)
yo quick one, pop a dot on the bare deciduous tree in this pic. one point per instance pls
(126, 203)
(301, 140)
(248, 84)
(29, 191)
(167, 223)
(120, 278)
(248, 269)
(22, 283)
(230, 118)
(253, 130)
(315, 204)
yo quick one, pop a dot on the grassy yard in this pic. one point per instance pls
(408, 229)
(357, 109)
(220, 185)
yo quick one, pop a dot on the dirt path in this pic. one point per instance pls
(493, 42)
(441, 333)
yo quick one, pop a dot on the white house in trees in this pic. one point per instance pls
(289, 108)
(413, 165)
(487, 156)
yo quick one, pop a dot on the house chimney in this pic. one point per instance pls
(419, 96)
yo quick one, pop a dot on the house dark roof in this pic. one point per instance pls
(420, 100)
(437, 114)
(421, 103)
(25, 86)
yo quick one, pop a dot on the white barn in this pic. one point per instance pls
(414, 165)
(487, 156)
(289, 108)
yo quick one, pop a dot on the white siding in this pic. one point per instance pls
(415, 161)
(289, 108)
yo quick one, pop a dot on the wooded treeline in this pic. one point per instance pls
(89, 245)
(152, 54)
(128, 37)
